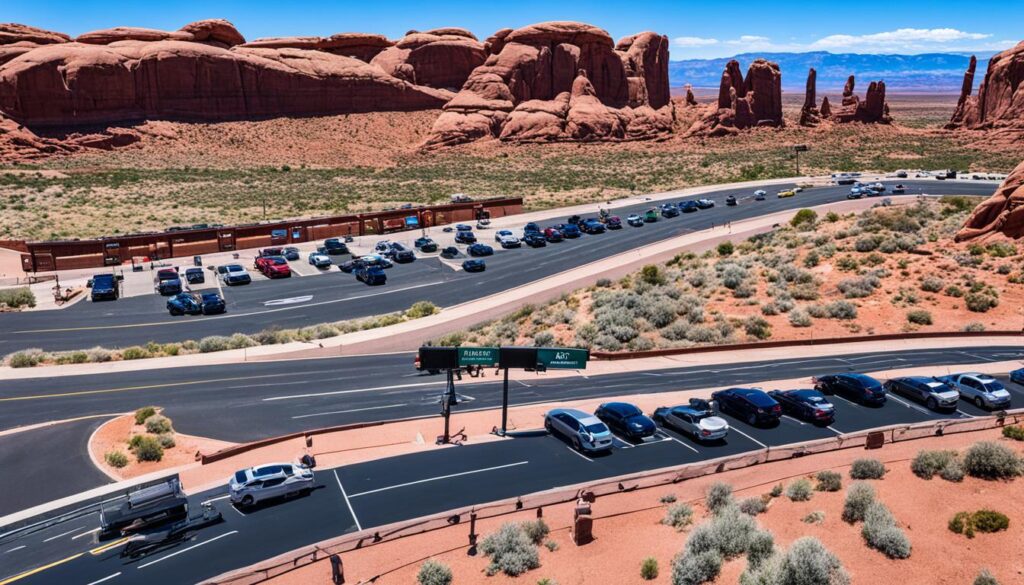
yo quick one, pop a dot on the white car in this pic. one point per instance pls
(981, 389)
(585, 431)
(760, 195)
(694, 420)
(507, 239)
(256, 484)
(235, 274)
(320, 260)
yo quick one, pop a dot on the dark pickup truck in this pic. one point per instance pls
(104, 287)
(143, 508)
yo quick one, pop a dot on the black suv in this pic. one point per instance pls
(856, 387)
(334, 246)
(749, 404)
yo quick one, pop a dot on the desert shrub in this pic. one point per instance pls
(988, 460)
(695, 569)
(718, 496)
(731, 530)
(926, 464)
(807, 562)
(1014, 432)
(536, 530)
(985, 578)
(804, 292)
(954, 291)
(829, 481)
(134, 353)
(841, 310)
(987, 521)
(147, 448)
(678, 516)
(434, 573)
(800, 490)
(858, 287)
(603, 282)
(15, 298)
(28, 358)
(143, 413)
(847, 263)
(668, 499)
(859, 497)
(760, 548)
(815, 517)
(649, 569)
(214, 343)
(757, 327)
(980, 302)
(652, 274)
(867, 244)
(799, 318)
(776, 490)
(881, 532)
(158, 424)
(1001, 249)
(166, 440)
(661, 312)
(753, 506)
(812, 259)
(510, 550)
(421, 309)
(974, 326)
(931, 284)
(804, 216)
(551, 545)
(543, 339)
(733, 276)
(726, 248)
(919, 317)
(867, 469)
(116, 459)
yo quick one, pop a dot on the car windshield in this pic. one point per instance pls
(240, 476)
(279, 261)
(629, 410)
(234, 268)
(993, 386)
(597, 428)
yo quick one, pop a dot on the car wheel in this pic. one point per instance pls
(547, 426)
(979, 402)
(576, 444)
(752, 419)
(932, 404)
(248, 500)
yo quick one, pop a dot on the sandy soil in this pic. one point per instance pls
(627, 530)
(115, 434)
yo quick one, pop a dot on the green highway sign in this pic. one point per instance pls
(478, 356)
(559, 358)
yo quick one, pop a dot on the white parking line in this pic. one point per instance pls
(732, 428)
(217, 499)
(650, 374)
(350, 410)
(684, 444)
(835, 430)
(347, 503)
(965, 414)
(64, 534)
(14, 549)
(797, 421)
(578, 454)
(626, 444)
(356, 391)
(977, 357)
(184, 550)
(524, 383)
(107, 578)
(850, 402)
(77, 536)
(909, 405)
(438, 478)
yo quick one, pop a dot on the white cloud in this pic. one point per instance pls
(749, 39)
(694, 41)
(910, 39)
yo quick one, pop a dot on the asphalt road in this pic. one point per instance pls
(374, 493)
(337, 296)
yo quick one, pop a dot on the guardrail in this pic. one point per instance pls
(629, 355)
(292, 560)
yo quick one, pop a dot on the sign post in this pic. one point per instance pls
(798, 149)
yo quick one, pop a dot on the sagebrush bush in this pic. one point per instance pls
(116, 459)
(147, 448)
(510, 550)
(143, 413)
(807, 562)
(799, 318)
(867, 469)
(985, 578)
(841, 310)
(16, 298)
(214, 343)
(649, 569)
(776, 490)
(919, 317)
(757, 327)
(421, 309)
(434, 573)
(667, 499)
(536, 530)
(882, 533)
(859, 498)
(988, 460)
(695, 569)
(968, 523)
(678, 516)
(158, 424)
(718, 496)
(926, 464)
(932, 284)
(800, 490)
(815, 517)
(1014, 432)
(753, 506)
(829, 481)
(980, 302)
(760, 548)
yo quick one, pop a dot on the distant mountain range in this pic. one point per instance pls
(931, 72)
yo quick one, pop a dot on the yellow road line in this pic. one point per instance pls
(39, 569)
(105, 547)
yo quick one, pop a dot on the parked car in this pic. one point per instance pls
(932, 392)
(371, 274)
(856, 387)
(450, 252)
(334, 247)
(104, 287)
(575, 220)
(855, 193)
(319, 260)
(688, 206)
(613, 222)
(553, 235)
(635, 220)
(474, 265)
(584, 431)
(730, 200)
(786, 193)
(195, 276)
(291, 253)
(592, 227)
(264, 482)
(168, 282)
(809, 405)
(534, 240)
(273, 267)
(694, 419)
(651, 215)
(483, 223)
(271, 252)
(899, 190)
(506, 239)
(425, 245)
(569, 230)
(877, 188)
(193, 303)
(626, 419)
(669, 210)
(235, 274)
(760, 195)
(901, 174)
(531, 227)
(1017, 376)
(401, 254)
(461, 227)
(352, 265)
(480, 250)
(376, 260)
(705, 203)
(750, 404)
(464, 237)
(147, 507)
(382, 247)
(981, 389)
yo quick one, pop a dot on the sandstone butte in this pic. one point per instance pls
(999, 104)
(872, 110)
(1001, 215)
(549, 81)
(744, 102)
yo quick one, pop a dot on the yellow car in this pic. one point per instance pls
(786, 193)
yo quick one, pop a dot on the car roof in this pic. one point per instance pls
(621, 407)
(234, 268)
(583, 417)
(862, 378)
(753, 394)
(269, 469)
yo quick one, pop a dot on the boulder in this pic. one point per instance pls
(1000, 100)
(360, 46)
(130, 33)
(690, 99)
(12, 33)
(561, 81)
(214, 30)
(1001, 215)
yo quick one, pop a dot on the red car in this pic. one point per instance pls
(273, 266)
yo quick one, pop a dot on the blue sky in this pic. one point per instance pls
(698, 29)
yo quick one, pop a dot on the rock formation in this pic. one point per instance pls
(1000, 101)
(690, 99)
(18, 39)
(872, 110)
(356, 45)
(826, 108)
(755, 100)
(809, 114)
(1002, 214)
(558, 81)
(441, 58)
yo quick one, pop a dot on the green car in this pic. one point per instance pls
(650, 215)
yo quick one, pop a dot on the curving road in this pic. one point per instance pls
(337, 296)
